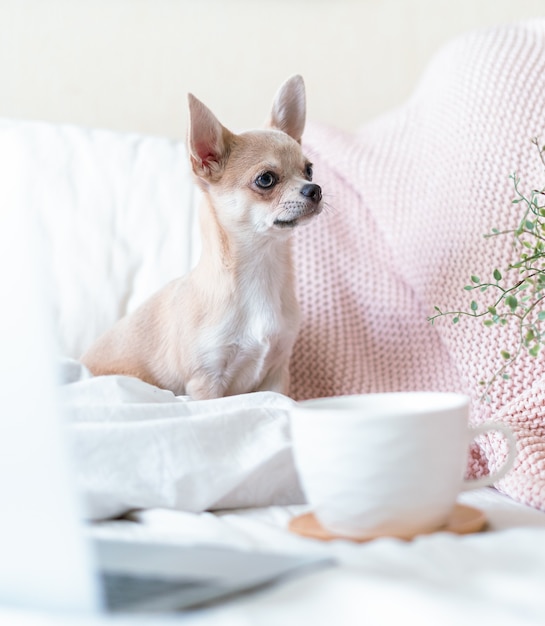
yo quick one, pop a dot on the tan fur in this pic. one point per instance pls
(228, 327)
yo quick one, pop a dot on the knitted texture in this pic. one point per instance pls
(409, 198)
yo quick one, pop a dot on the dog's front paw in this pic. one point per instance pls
(204, 388)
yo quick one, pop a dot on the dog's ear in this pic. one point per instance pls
(207, 140)
(289, 108)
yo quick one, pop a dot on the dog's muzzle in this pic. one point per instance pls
(297, 210)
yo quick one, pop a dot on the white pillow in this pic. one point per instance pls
(115, 213)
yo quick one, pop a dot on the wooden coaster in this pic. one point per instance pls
(463, 520)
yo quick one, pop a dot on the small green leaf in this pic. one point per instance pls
(475, 279)
(497, 274)
(505, 354)
(506, 376)
(455, 320)
(529, 225)
(468, 287)
(473, 305)
(488, 323)
(492, 310)
(511, 302)
(533, 351)
(541, 315)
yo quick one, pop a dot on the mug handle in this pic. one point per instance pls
(486, 481)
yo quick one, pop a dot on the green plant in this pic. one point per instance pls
(517, 294)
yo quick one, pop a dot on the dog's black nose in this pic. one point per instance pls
(312, 192)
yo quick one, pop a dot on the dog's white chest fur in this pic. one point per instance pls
(249, 347)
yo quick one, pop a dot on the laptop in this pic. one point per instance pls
(48, 562)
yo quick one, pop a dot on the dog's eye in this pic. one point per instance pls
(308, 171)
(266, 180)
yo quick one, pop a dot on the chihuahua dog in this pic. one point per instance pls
(228, 327)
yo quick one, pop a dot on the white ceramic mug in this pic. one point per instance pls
(387, 463)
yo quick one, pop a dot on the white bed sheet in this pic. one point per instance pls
(492, 577)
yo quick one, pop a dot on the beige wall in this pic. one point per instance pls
(127, 64)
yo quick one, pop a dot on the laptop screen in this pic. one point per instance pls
(45, 561)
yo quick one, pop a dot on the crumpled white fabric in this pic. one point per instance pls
(114, 214)
(137, 446)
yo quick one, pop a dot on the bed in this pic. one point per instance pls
(409, 196)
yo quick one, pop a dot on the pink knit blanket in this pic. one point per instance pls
(409, 198)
